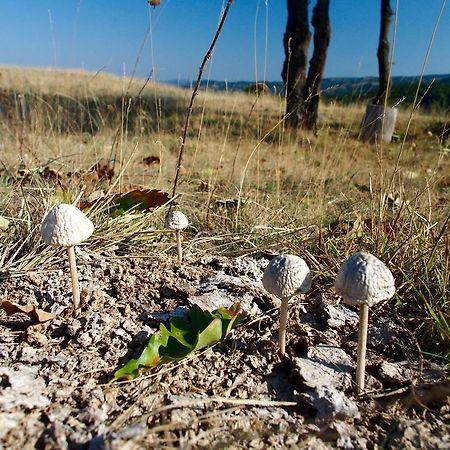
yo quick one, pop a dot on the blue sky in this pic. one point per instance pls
(107, 35)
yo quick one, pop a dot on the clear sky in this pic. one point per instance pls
(108, 34)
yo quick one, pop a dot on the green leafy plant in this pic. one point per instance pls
(183, 337)
(4, 223)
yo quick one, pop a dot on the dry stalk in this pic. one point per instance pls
(195, 92)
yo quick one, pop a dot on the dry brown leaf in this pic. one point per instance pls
(140, 199)
(203, 186)
(444, 182)
(52, 175)
(148, 198)
(103, 170)
(35, 314)
(151, 160)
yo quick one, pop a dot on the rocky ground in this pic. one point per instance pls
(55, 391)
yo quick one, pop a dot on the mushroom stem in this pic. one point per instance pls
(362, 344)
(179, 249)
(283, 324)
(74, 277)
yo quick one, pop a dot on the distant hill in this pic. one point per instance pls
(435, 89)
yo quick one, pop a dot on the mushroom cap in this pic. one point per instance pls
(176, 220)
(286, 276)
(65, 225)
(363, 278)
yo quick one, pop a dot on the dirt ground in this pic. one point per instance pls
(55, 391)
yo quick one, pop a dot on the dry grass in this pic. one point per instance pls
(247, 184)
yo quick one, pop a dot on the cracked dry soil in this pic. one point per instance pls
(54, 390)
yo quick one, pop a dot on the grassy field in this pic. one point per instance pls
(247, 184)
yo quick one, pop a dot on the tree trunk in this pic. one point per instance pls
(296, 42)
(383, 53)
(322, 35)
(378, 124)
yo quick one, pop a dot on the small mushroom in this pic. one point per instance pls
(363, 280)
(66, 226)
(286, 276)
(177, 221)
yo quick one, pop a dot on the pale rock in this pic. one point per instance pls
(327, 373)
(332, 403)
(9, 421)
(23, 388)
(404, 372)
(325, 366)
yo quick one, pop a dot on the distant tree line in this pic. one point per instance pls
(432, 95)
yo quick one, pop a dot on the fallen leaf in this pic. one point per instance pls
(151, 160)
(99, 172)
(444, 182)
(144, 199)
(362, 187)
(103, 170)
(35, 314)
(52, 175)
(203, 186)
(228, 203)
(138, 199)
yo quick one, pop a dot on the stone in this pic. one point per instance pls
(405, 372)
(325, 366)
(326, 372)
(22, 388)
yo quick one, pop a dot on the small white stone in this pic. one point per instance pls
(176, 220)
(363, 278)
(66, 225)
(287, 275)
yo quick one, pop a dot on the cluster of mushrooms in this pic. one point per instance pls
(66, 226)
(363, 280)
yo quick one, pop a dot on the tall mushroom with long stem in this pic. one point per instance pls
(285, 277)
(66, 226)
(177, 221)
(363, 280)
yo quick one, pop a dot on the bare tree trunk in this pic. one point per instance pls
(322, 35)
(296, 42)
(378, 124)
(383, 53)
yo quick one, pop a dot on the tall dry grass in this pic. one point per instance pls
(247, 184)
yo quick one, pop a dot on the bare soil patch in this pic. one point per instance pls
(238, 394)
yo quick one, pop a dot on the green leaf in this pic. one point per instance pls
(149, 357)
(183, 337)
(62, 196)
(210, 335)
(4, 223)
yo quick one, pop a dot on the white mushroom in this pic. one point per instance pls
(286, 276)
(364, 280)
(177, 221)
(66, 226)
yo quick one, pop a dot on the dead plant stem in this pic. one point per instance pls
(194, 94)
